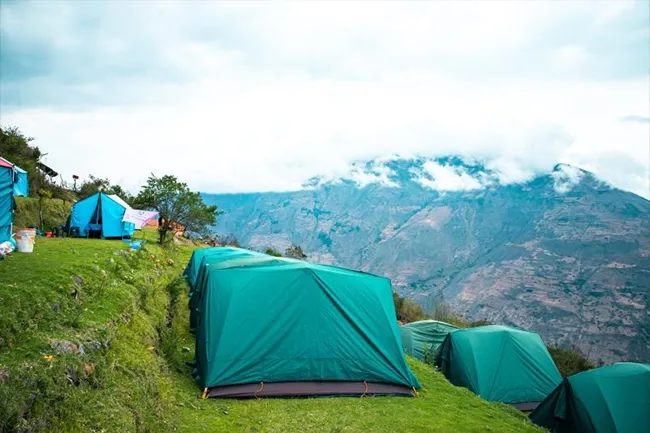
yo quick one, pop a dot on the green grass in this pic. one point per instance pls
(130, 313)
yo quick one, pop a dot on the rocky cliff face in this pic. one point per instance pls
(562, 254)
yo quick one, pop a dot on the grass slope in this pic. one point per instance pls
(129, 312)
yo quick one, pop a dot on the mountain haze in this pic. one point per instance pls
(563, 253)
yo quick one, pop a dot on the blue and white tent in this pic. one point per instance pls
(13, 183)
(100, 215)
(21, 185)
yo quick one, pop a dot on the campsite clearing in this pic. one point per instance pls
(96, 338)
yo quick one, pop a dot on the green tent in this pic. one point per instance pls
(196, 261)
(499, 364)
(610, 399)
(282, 327)
(429, 334)
(219, 261)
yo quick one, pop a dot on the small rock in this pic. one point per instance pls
(94, 345)
(4, 375)
(71, 374)
(55, 307)
(82, 349)
(64, 347)
(100, 404)
(186, 349)
(78, 280)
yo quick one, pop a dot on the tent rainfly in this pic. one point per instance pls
(424, 335)
(610, 399)
(499, 363)
(200, 262)
(272, 326)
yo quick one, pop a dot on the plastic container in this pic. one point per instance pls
(25, 239)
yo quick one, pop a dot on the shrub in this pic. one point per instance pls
(407, 310)
(295, 252)
(272, 252)
(569, 360)
(55, 213)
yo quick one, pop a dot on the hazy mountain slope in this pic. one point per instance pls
(563, 254)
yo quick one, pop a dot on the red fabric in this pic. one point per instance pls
(4, 163)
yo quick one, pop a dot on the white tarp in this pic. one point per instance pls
(119, 200)
(138, 217)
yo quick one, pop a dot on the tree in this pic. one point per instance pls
(96, 184)
(176, 205)
(295, 252)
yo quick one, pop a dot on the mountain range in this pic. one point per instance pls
(561, 253)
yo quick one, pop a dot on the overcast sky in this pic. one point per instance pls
(262, 96)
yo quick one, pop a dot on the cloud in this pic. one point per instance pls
(446, 177)
(639, 119)
(569, 57)
(242, 97)
(566, 177)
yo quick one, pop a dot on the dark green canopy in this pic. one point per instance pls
(197, 260)
(196, 272)
(610, 399)
(277, 327)
(499, 364)
(429, 334)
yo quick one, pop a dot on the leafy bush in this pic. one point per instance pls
(295, 252)
(407, 310)
(569, 360)
(272, 252)
(429, 355)
(55, 212)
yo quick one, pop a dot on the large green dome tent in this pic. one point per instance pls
(424, 335)
(283, 327)
(610, 399)
(499, 363)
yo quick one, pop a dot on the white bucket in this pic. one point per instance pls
(25, 240)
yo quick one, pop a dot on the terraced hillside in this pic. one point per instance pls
(95, 339)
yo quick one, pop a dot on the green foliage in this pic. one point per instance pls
(176, 204)
(429, 355)
(569, 360)
(55, 212)
(295, 252)
(15, 147)
(272, 252)
(94, 185)
(407, 310)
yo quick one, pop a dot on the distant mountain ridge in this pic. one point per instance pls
(562, 253)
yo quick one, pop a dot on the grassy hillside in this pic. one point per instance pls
(94, 338)
(55, 212)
